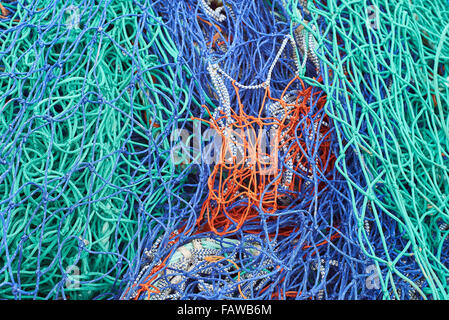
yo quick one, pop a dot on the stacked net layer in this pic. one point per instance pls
(207, 149)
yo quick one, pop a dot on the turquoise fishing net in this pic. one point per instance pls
(94, 206)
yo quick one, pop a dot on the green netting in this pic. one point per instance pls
(386, 76)
(83, 98)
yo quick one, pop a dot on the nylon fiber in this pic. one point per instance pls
(224, 149)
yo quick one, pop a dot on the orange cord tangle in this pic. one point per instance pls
(146, 285)
(248, 174)
(212, 259)
(254, 177)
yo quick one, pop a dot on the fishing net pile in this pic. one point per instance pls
(207, 149)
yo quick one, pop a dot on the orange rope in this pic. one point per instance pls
(147, 283)
(4, 11)
(248, 176)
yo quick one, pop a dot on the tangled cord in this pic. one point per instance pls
(298, 212)
(90, 94)
(330, 180)
(387, 89)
